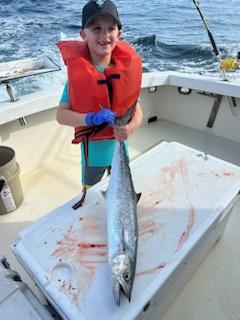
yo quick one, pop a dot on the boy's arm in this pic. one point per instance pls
(69, 117)
(66, 116)
(75, 119)
(123, 132)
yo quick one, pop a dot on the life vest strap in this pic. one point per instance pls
(80, 202)
(102, 81)
(85, 135)
(85, 147)
(88, 131)
(114, 76)
(108, 82)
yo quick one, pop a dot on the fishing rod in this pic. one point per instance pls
(231, 100)
(213, 42)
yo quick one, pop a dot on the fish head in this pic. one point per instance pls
(122, 273)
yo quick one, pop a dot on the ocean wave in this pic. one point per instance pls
(169, 35)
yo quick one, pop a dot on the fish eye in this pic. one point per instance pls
(126, 276)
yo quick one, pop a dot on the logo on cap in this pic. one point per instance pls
(99, 3)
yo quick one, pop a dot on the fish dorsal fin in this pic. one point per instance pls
(104, 194)
(138, 196)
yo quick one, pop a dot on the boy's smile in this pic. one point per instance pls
(101, 36)
(104, 43)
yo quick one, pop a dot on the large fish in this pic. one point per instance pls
(122, 224)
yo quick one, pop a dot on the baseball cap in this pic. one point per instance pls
(96, 8)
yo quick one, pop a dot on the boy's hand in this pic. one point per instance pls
(122, 133)
(97, 118)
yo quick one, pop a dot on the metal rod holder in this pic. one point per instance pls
(23, 121)
(11, 92)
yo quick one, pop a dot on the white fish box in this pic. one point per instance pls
(16, 300)
(12, 70)
(187, 198)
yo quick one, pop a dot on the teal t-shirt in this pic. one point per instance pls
(100, 152)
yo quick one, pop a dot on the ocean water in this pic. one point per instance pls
(168, 34)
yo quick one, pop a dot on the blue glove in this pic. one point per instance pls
(97, 118)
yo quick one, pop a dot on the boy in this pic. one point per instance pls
(104, 80)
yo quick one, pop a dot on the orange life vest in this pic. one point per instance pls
(117, 88)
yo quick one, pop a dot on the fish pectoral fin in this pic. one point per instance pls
(104, 194)
(138, 196)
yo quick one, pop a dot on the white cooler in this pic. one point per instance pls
(187, 197)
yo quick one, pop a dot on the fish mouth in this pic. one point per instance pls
(126, 292)
(118, 289)
(127, 295)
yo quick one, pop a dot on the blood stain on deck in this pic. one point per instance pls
(82, 255)
(180, 167)
(151, 270)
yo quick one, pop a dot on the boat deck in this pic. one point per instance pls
(212, 291)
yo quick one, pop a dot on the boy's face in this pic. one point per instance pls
(101, 36)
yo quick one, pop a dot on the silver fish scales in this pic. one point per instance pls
(122, 225)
